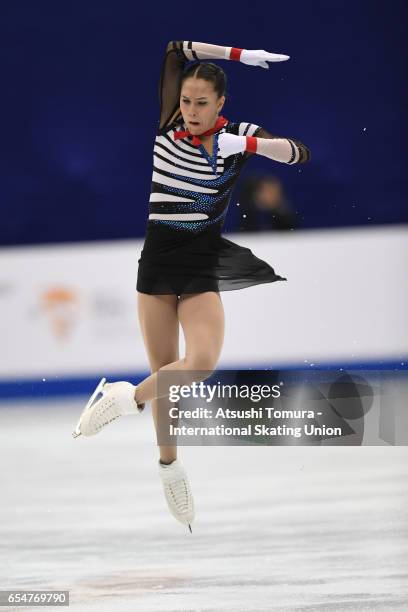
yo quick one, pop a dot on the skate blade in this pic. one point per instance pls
(77, 431)
(189, 526)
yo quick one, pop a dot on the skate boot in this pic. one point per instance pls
(117, 399)
(177, 491)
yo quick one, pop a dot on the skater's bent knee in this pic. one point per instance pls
(202, 362)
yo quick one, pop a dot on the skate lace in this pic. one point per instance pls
(104, 414)
(179, 494)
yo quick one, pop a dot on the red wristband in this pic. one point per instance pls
(251, 144)
(235, 53)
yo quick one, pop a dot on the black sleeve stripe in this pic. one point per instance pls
(178, 48)
(190, 46)
(293, 156)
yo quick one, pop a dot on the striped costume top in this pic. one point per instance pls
(191, 190)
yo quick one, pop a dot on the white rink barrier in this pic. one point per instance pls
(71, 310)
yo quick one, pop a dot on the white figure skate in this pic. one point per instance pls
(177, 491)
(117, 399)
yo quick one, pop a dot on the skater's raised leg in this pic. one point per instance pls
(202, 318)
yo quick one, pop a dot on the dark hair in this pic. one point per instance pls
(209, 72)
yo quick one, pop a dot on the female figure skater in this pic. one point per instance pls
(185, 262)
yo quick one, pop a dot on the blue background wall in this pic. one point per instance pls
(79, 108)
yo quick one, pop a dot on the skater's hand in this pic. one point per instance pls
(230, 144)
(261, 57)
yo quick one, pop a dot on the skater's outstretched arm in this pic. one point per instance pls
(284, 150)
(179, 52)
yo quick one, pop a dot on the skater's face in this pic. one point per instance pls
(199, 104)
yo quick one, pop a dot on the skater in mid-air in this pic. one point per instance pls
(185, 262)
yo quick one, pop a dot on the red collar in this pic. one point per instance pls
(221, 121)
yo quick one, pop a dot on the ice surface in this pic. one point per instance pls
(277, 528)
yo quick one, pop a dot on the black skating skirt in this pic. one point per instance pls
(178, 261)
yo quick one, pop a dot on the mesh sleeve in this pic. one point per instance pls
(170, 83)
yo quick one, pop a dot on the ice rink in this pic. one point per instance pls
(277, 528)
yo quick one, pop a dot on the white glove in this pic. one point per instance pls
(230, 144)
(261, 57)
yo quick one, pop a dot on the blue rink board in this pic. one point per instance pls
(67, 386)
